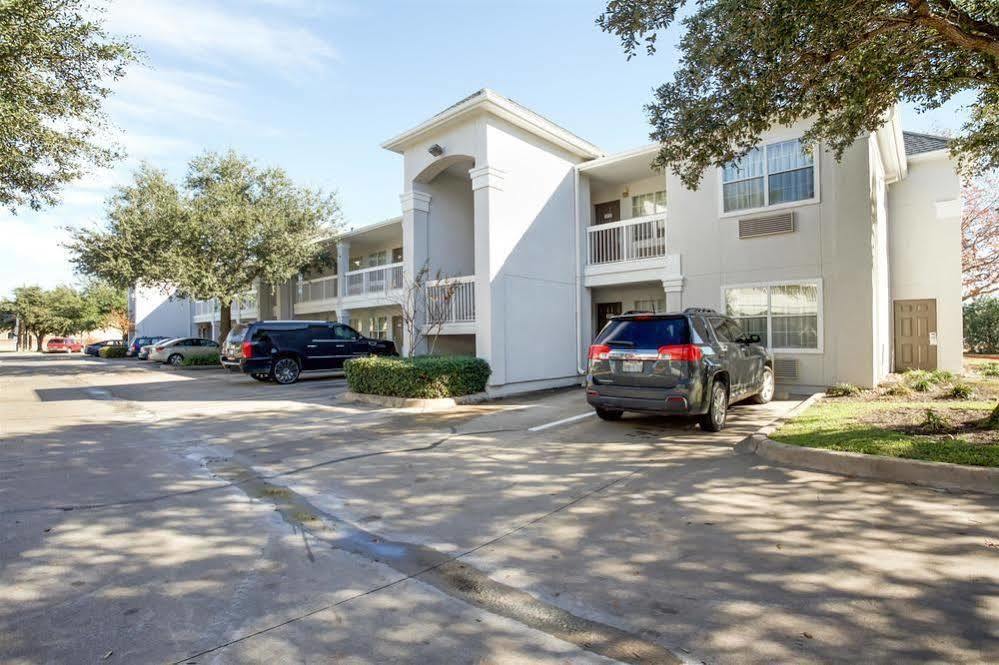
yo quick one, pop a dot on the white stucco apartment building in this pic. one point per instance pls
(847, 270)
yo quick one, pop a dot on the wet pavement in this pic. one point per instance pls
(155, 515)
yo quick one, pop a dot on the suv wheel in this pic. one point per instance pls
(176, 360)
(766, 388)
(609, 414)
(285, 371)
(714, 419)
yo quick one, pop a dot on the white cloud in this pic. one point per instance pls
(170, 93)
(206, 32)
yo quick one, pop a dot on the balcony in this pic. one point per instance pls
(379, 280)
(316, 295)
(629, 240)
(243, 307)
(206, 311)
(451, 303)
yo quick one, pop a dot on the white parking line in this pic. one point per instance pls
(561, 422)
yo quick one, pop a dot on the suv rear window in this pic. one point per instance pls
(644, 333)
(236, 334)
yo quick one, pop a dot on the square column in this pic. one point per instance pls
(415, 253)
(490, 304)
(342, 267)
(673, 283)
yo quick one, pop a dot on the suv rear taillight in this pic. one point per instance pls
(247, 349)
(681, 352)
(599, 352)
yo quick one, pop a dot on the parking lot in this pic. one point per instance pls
(158, 515)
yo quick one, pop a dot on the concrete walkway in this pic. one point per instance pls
(158, 516)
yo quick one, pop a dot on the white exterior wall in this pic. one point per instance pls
(925, 247)
(155, 313)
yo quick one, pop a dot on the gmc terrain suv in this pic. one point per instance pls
(281, 350)
(693, 363)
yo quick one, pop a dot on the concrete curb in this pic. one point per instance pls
(191, 368)
(436, 404)
(875, 467)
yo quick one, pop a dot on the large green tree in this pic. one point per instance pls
(56, 66)
(748, 64)
(60, 311)
(227, 226)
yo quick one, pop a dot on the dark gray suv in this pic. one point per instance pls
(695, 363)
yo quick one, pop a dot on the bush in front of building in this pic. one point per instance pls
(424, 377)
(981, 325)
(112, 352)
(201, 361)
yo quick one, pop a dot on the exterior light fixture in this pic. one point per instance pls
(436, 150)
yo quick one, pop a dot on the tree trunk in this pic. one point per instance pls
(993, 420)
(225, 320)
(38, 339)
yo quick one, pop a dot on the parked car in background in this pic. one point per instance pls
(63, 345)
(695, 363)
(281, 350)
(174, 351)
(138, 342)
(95, 348)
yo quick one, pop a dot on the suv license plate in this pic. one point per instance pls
(632, 365)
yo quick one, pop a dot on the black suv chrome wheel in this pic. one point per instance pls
(286, 370)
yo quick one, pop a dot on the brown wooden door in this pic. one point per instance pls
(605, 213)
(605, 310)
(915, 334)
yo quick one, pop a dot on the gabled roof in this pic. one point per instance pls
(916, 143)
(503, 107)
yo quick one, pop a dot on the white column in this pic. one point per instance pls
(673, 283)
(487, 189)
(415, 248)
(342, 267)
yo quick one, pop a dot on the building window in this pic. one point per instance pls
(397, 255)
(653, 203)
(653, 305)
(786, 316)
(777, 173)
(378, 258)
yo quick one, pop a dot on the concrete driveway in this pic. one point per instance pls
(155, 515)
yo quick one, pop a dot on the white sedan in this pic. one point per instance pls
(174, 351)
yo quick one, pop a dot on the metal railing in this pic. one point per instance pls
(206, 308)
(451, 300)
(317, 289)
(378, 279)
(629, 240)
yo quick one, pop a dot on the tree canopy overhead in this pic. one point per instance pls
(749, 64)
(227, 226)
(56, 64)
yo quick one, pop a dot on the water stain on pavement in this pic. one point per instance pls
(447, 573)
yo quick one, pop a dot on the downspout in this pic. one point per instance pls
(579, 292)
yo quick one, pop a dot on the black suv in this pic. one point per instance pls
(692, 363)
(281, 350)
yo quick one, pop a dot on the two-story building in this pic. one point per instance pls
(847, 270)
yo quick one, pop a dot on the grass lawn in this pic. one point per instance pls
(894, 422)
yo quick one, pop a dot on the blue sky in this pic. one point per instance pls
(315, 86)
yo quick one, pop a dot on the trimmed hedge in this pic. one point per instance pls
(112, 352)
(424, 377)
(201, 361)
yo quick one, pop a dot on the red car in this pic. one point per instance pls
(60, 344)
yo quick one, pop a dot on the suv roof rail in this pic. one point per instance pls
(700, 310)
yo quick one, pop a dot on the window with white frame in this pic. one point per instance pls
(786, 316)
(378, 258)
(653, 305)
(776, 173)
(652, 203)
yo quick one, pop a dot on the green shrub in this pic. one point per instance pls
(922, 385)
(201, 361)
(842, 390)
(940, 376)
(112, 352)
(910, 376)
(989, 369)
(934, 422)
(981, 325)
(960, 391)
(423, 377)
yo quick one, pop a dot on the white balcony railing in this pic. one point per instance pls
(206, 309)
(629, 240)
(315, 290)
(379, 279)
(247, 305)
(451, 300)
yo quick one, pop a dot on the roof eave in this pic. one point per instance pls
(491, 102)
